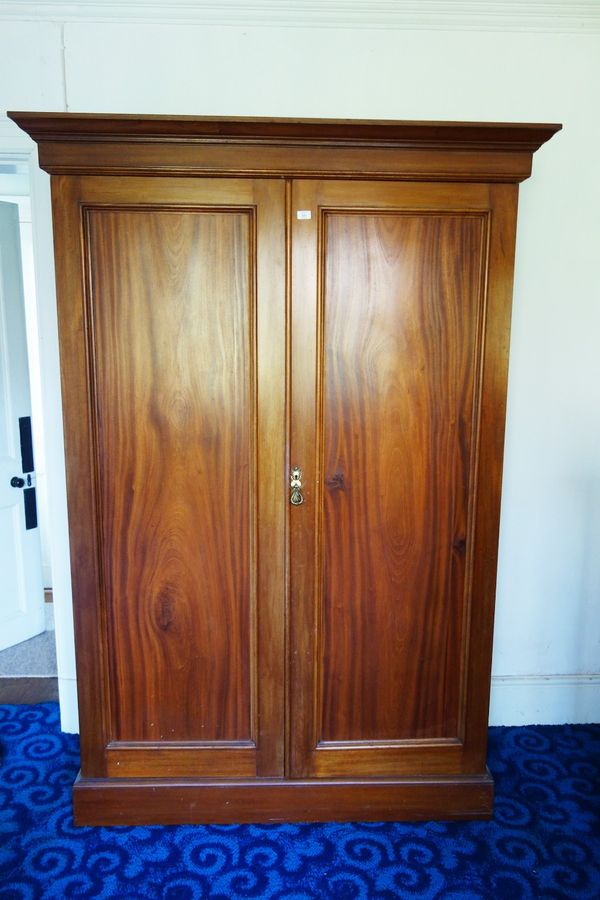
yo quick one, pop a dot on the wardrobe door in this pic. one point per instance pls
(400, 316)
(173, 342)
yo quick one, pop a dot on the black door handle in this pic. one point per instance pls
(15, 481)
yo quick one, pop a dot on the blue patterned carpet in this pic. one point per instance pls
(543, 842)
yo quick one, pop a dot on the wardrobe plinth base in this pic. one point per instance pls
(145, 801)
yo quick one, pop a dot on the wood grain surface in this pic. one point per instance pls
(385, 387)
(351, 148)
(173, 312)
(401, 301)
(227, 129)
(339, 650)
(129, 801)
(173, 425)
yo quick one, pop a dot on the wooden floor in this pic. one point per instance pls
(28, 690)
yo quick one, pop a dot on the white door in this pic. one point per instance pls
(21, 589)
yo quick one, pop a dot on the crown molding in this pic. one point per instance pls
(86, 127)
(99, 144)
(455, 15)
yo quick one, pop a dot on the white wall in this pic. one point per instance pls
(547, 644)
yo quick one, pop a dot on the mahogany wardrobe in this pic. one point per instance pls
(284, 354)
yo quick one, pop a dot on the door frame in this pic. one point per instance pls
(22, 607)
(16, 147)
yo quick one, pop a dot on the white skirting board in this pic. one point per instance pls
(67, 696)
(545, 699)
(515, 700)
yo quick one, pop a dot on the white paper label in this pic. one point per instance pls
(303, 214)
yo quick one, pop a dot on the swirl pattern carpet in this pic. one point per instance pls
(543, 842)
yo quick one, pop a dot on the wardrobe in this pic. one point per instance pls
(284, 356)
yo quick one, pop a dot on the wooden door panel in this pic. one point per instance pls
(399, 344)
(178, 308)
(386, 405)
(173, 315)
